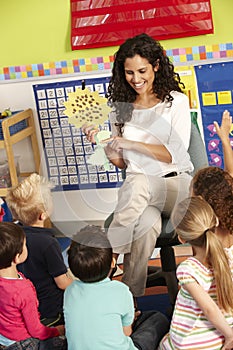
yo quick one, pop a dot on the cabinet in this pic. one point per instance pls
(9, 139)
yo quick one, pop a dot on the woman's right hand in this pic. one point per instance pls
(61, 329)
(90, 131)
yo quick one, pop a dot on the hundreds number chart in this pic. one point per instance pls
(66, 149)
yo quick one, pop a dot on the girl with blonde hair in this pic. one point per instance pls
(202, 318)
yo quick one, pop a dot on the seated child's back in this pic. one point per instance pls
(99, 312)
(20, 326)
(31, 204)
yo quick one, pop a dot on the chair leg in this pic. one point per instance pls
(168, 263)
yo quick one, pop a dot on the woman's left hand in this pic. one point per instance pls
(118, 143)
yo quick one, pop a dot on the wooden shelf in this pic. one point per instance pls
(9, 140)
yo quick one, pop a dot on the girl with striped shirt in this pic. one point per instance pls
(203, 315)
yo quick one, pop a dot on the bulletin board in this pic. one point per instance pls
(215, 89)
(66, 149)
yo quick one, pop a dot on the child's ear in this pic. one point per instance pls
(43, 216)
(113, 264)
(16, 259)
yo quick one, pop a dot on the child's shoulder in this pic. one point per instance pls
(21, 286)
(119, 285)
(40, 232)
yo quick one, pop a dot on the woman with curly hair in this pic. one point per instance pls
(216, 187)
(151, 127)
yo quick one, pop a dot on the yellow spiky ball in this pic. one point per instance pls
(86, 107)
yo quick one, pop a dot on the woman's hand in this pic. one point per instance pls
(118, 143)
(115, 157)
(90, 131)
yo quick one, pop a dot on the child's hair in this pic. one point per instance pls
(90, 254)
(29, 199)
(12, 239)
(216, 186)
(195, 223)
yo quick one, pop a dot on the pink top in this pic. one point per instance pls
(19, 316)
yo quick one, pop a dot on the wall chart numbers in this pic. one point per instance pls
(66, 148)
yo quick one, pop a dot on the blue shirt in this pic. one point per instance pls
(95, 314)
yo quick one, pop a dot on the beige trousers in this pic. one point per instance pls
(137, 221)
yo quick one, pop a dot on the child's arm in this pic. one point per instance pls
(127, 330)
(223, 132)
(211, 310)
(30, 314)
(63, 281)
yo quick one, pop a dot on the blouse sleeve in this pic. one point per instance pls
(180, 129)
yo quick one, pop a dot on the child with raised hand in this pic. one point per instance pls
(31, 204)
(99, 312)
(223, 132)
(20, 326)
(215, 185)
(202, 318)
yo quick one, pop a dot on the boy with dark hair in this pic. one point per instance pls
(99, 313)
(31, 204)
(20, 326)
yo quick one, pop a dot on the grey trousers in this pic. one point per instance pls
(58, 343)
(137, 221)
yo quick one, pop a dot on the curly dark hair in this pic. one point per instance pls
(216, 187)
(166, 80)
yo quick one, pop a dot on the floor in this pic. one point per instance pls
(181, 253)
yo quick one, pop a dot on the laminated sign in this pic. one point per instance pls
(99, 23)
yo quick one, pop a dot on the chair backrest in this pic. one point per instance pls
(197, 150)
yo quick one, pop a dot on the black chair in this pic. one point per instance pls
(166, 275)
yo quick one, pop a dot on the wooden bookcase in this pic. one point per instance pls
(10, 139)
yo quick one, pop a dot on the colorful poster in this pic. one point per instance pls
(215, 87)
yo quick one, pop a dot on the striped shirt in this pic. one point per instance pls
(190, 329)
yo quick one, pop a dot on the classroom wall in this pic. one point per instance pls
(37, 32)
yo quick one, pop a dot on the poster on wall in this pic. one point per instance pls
(215, 88)
(66, 149)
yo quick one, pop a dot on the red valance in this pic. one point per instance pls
(99, 23)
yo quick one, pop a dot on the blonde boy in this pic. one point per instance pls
(30, 203)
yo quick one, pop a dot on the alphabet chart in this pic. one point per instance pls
(66, 149)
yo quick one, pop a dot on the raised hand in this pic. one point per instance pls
(225, 128)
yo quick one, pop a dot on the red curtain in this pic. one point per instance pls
(99, 23)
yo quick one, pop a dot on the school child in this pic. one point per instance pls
(223, 132)
(20, 326)
(31, 204)
(202, 318)
(215, 185)
(99, 312)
